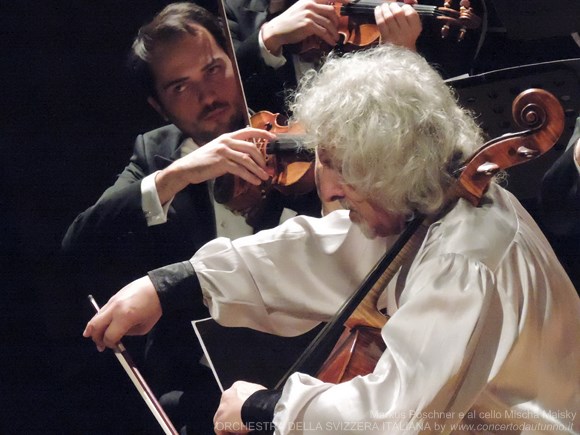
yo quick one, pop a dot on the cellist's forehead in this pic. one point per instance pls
(327, 158)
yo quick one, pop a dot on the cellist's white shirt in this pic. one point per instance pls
(288, 279)
(486, 331)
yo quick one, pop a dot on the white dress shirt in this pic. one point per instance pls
(485, 333)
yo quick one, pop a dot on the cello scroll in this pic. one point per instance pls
(356, 327)
(541, 116)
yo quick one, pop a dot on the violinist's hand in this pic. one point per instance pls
(234, 153)
(399, 25)
(133, 310)
(228, 417)
(303, 19)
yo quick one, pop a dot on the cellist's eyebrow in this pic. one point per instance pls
(326, 160)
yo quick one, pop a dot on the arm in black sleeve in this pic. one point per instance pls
(265, 87)
(258, 411)
(117, 213)
(250, 59)
(177, 287)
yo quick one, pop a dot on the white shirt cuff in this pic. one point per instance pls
(270, 60)
(574, 157)
(154, 212)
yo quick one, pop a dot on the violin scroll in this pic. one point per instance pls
(465, 19)
(358, 30)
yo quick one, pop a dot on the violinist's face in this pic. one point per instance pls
(196, 86)
(372, 220)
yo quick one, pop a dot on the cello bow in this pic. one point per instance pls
(144, 390)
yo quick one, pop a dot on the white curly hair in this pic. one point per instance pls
(390, 124)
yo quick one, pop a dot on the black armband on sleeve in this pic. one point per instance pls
(177, 287)
(258, 411)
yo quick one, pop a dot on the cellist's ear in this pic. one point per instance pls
(157, 107)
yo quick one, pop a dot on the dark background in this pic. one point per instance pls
(68, 119)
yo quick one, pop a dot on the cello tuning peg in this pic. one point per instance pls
(526, 152)
(488, 168)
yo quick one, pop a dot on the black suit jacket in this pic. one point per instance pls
(113, 234)
(265, 87)
(560, 209)
(109, 245)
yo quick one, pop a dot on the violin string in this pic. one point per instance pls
(365, 8)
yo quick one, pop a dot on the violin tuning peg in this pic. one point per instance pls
(461, 35)
(445, 31)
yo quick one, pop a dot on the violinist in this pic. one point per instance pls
(267, 36)
(484, 323)
(160, 208)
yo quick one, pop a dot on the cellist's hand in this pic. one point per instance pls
(133, 310)
(399, 25)
(228, 417)
(303, 19)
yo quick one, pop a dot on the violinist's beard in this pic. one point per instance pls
(235, 122)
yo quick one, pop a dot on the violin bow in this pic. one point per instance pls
(232, 54)
(129, 366)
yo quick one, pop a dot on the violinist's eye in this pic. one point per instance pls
(214, 69)
(178, 89)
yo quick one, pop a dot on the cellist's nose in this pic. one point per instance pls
(329, 183)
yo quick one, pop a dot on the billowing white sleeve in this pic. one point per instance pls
(288, 279)
(427, 366)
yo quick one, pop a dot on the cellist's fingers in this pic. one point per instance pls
(95, 329)
(132, 310)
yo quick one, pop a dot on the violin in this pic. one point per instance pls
(351, 344)
(288, 163)
(357, 28)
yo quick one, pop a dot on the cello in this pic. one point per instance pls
(351, 344)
